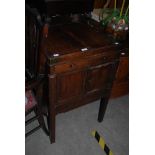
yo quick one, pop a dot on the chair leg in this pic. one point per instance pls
(41, 121)
(32, 131)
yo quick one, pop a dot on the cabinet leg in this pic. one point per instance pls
(51, 110)
(51, 124)
(102, 109)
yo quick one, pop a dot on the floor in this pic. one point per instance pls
(73, 131)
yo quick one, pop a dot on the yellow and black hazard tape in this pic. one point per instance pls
(102, 143)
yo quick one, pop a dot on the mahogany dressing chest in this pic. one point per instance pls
(79, 61)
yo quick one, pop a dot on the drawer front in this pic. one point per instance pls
(85, 62)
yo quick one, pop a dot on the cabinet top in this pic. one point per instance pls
(79, 38)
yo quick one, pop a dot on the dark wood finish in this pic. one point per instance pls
(76, 77)
(77, 59)
(52, 112)
(32, 40)
(121, 83)
(35, 36)
(35, 32)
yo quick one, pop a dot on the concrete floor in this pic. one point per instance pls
(73, 131)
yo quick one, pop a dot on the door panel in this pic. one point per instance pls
(100, 77)
(70, 85)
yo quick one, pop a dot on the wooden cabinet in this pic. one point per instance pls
(76, 58)
(79, 64)
(78, 78)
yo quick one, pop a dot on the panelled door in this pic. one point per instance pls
(70, 85)
(100, 77)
